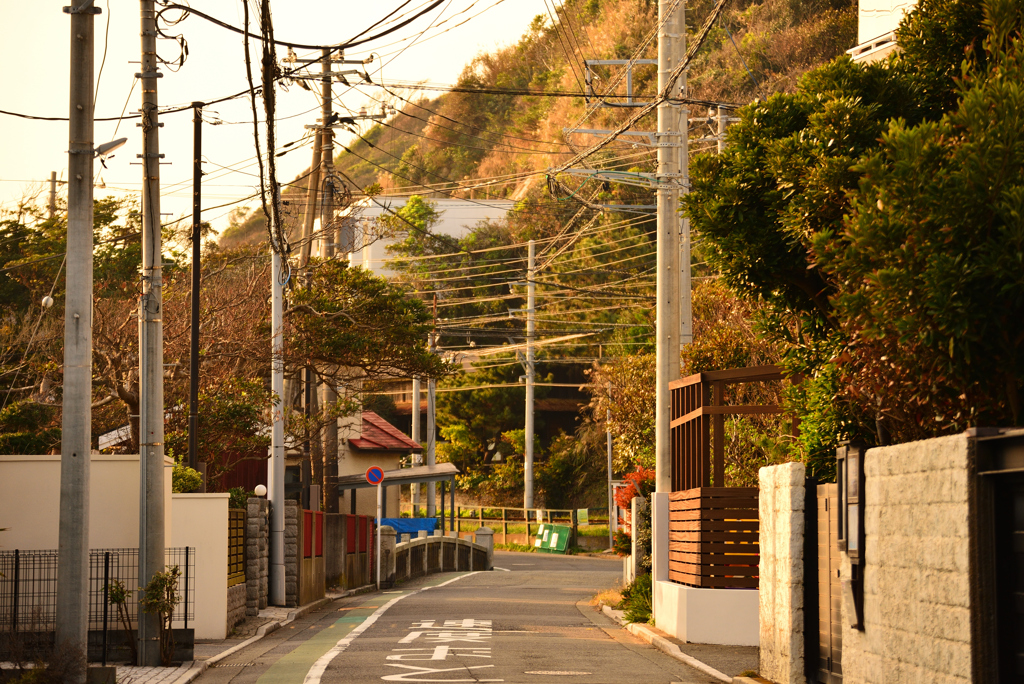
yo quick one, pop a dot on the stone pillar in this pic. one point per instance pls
(781, 504)
(485, 537)
(422, 534)
(257, 546)
(636, 557)
(292, 515)
(387, 556)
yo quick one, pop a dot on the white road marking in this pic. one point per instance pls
(317, 671)
(408, 676)
(502, 569)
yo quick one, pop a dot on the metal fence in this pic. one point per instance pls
(28, 587)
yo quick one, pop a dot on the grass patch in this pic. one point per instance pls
(609, 597)
(512, 546)
(592, 531)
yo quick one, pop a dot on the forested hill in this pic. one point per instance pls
(487, 138)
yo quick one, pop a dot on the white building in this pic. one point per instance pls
(877, 21)
(458, 217)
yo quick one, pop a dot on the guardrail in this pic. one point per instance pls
(520, 525)
(425, 555)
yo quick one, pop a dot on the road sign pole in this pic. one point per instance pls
(380, 501)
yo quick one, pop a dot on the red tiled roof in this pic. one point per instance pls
(380, 435)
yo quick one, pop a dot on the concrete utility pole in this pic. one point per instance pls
(151, 347)
(275, 474)
(193, 366)
(530, 326)
(415, 487)
(330, 242)
(431, 428)
(671, 133)
(53, 195)
(611, 491)
(76, 422)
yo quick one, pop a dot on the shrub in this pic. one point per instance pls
(638, 599)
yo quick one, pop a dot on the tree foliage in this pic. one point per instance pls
(929, 271)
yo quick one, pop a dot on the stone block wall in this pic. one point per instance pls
(917, 593)
(257, 555)
(236, 605)
(781, 595)
(292, 548)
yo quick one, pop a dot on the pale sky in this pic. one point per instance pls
(35, 81)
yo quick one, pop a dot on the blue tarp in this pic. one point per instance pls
(410, 525)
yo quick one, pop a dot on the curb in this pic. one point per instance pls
(667, 647)
(199, 666)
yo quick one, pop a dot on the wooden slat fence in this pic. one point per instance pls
(236, 546)
(713, 537)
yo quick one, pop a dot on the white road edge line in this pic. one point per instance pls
(320, 666)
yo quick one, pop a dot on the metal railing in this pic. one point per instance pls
(28, 587)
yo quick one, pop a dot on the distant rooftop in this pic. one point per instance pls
(380, 435)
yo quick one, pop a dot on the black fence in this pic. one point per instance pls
(28, 587)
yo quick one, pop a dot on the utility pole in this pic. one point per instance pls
(431, 425)
(330, 451)
(275, 476)
(53, 195)
(193, 366)
(671, 130)
(530, 326)
(76, 422)
(415, 487)
(151, 347)
(611, 491)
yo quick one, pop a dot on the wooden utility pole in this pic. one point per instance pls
(151, 347)
(76, 422)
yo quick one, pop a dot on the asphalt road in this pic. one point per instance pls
(529, 622)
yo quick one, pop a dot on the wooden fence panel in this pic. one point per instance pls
(236, 546)
(713, 537)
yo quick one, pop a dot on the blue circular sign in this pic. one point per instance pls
(374, 475)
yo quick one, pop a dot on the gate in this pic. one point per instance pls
(823, 628)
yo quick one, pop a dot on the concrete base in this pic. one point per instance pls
(707, 616)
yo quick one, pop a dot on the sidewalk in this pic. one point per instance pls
(724, 663)
(209, 652)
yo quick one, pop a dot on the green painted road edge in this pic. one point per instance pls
(198, 667)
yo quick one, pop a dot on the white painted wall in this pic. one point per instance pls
(201, 521)
(30, 501)
(878, 17)
(457, 217)
(707, 616)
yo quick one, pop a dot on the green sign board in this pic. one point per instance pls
(583, 516)
(552, 538)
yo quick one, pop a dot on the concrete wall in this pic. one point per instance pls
(917, 598)
(781, 593)
(30, 501)
(201, 521)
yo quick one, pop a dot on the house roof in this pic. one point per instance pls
(380, 435)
